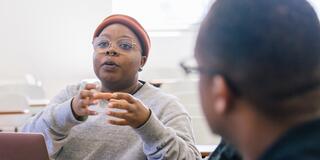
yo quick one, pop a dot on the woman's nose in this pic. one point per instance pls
(112, 53)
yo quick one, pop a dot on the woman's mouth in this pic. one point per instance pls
(109, 66)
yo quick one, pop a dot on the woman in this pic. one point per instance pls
(153, 125)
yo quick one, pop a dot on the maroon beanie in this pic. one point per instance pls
(131, 23)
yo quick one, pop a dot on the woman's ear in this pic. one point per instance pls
(222, 95)
(143, 61)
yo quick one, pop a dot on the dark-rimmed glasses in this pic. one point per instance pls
(189, 66)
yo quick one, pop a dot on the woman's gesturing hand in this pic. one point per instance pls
(134, 113)
(81, 102)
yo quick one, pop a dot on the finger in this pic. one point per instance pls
(90, 112)
(118, 114)
(126, 96)
(119, 104)
(101, 95)
(90, 86)
(93, 102)
(85, 94)
(120, 122)
(83, 104)
(87, 101)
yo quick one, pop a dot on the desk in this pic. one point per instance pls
(13, 119)
(205, 150)
(14, 112)
(37, 105)
(38, 102)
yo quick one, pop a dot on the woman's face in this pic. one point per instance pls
(117, 56)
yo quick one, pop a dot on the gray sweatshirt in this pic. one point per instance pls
(167, 134)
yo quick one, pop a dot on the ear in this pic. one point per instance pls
(222, 95)
(143, 61)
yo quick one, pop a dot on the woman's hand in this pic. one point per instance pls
(81, 102)
(135, 115)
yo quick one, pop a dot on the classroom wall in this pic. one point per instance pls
(52, 40)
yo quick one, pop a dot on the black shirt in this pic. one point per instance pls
(224, 151)
(299, 143)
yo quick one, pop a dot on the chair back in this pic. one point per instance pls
(30, 91)
(14, 111)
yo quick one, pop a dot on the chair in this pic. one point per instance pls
(30, 91)
(34, 93)
(13, 111)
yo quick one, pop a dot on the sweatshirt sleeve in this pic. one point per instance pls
(171, 138)
(55, 121)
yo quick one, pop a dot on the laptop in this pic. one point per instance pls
(22, 146)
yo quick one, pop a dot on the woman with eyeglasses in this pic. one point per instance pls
(137, 120)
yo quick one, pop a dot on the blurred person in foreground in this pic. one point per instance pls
(259, 65)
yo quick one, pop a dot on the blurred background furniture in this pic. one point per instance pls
(34, 94)
(14, 111)
(186, 91)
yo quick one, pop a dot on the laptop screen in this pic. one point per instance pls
(23, 146)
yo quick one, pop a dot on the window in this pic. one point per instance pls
(164, 15)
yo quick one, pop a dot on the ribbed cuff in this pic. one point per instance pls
(152, 132)
(64, 117)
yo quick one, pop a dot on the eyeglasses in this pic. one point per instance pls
(101, 44)
(189, 66)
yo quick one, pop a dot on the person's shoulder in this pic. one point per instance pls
(158, 99)
(74, 87)
(297, 156)
(148, 90)
(71, 89)
(225, 151)
(65, 93)
(299, 142)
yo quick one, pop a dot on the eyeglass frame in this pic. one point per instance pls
(133, 43)
(209, 72)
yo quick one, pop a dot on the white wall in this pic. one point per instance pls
(52, 40)
(166, 53)
(49, 38)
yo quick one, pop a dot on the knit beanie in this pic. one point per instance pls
(132, 24)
